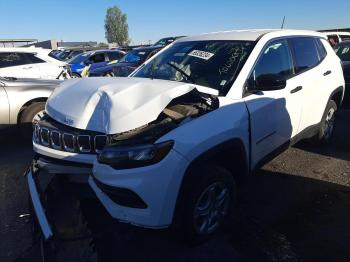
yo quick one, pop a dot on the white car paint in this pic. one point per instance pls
(50, 68)
(114, 105)
(117, 105)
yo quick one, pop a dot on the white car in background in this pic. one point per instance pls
(28, 62)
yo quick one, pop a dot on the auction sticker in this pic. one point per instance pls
(201, 54)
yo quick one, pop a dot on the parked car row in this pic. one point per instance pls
(127, 64)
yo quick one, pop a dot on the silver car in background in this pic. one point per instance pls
(21, 100)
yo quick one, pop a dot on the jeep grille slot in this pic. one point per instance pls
(72, 142)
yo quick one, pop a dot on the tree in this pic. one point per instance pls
(102, 45)
(116, 26)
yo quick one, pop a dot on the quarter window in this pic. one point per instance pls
(33, 59)
(275, 60)
(305, 52)
(322, 53)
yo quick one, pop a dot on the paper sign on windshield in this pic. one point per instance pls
(201, 54)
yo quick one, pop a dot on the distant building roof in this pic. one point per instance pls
(22, 40)
(16, 42)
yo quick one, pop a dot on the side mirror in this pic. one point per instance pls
(270, 82)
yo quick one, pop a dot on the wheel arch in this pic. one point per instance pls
(230, 155)
(337, 96)
(28, 103)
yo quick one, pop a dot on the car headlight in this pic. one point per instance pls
(120, 157)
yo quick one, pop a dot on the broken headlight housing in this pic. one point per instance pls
(121, 157)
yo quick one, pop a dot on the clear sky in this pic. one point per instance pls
(78, 20)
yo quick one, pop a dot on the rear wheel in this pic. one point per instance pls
(326, 129)
(208, 203)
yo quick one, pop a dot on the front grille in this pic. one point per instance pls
(63, 138)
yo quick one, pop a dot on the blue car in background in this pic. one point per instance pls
(94, 59)
(126, 65)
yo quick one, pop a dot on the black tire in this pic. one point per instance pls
(195, 185)
(109, 74)
(75, 75)
(26, 119)
(325, 133)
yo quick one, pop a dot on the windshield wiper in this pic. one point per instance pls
(187, 76)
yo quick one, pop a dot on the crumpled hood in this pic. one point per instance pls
(113, 105)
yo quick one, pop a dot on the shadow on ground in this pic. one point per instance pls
(296, 208)
(281, 218)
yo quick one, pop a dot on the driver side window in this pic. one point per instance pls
(97, 58)
(275, 61)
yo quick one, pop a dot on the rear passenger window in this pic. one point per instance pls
(305, 53)
(275, 60)
(322, 53)
(115, 56)
(12, 59)
(33, 59)
(97, 58)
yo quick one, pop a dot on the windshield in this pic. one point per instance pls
(213, 64)
(79, 58)
(134, 56)
(343, 52)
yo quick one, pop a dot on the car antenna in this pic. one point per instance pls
(284, 18)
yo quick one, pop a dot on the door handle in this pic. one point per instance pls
(29, 67)
(297, 89)
(327, 73)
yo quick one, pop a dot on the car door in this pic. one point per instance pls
(17, 65)
(274, 114)
(314, 72)
(4, 107)
(46, 70)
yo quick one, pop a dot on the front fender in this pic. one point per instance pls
(21, 96)
(205, 132)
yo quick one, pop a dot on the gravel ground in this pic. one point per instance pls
(295, 208)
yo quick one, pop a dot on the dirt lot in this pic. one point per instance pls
(296, 208)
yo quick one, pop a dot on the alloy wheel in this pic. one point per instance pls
(211, 208)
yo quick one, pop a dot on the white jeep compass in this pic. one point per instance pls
(166, 145)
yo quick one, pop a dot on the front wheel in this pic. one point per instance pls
(325, 133)
(109, 74)
(29, 116)
(208, 203)
(75, 75)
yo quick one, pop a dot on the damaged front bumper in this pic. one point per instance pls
(45, 171)
(38, 208)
